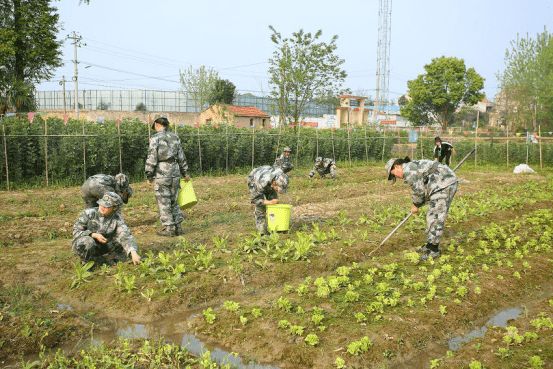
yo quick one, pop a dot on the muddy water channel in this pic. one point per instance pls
(173, 330)
(422, 360)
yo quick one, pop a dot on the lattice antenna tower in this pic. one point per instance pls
(383, 57)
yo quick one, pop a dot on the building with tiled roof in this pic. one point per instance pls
(238, 116)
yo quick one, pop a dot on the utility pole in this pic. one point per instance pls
(383, 57)
(62, 82)
(76, 42)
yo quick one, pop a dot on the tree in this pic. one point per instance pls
(303, 69)
(436, 95)
(526, 97)
(199, 83)
(222, 93)
(15, 94)
(29, 51)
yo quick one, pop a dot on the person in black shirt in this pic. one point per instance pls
(443, 150)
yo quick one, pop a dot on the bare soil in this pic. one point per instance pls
(38, 267)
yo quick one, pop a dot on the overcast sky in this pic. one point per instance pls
(142, 44)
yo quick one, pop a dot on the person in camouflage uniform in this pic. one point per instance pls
(101, 232)
(95, 187)
(324, 167)
(264, 184)
(164, 166)
(283, 161)
(433, 183)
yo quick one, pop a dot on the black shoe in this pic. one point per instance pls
(430, 254)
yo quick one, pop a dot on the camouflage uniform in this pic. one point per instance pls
(283, 162)
(165, 164)
(434, 183)
(260, 184)
(96, 186)
(120, 241)
(324, 167)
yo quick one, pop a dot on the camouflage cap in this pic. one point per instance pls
(282, 181)
(318, 159)
(287, 149)
(389, 167)
(122, 183)
(110, 200)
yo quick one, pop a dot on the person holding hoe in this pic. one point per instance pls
(101, 235)
(164, 166)
(283, 161)
(433, 183)
(264, 184)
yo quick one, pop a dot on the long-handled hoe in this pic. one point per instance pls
(409, 215)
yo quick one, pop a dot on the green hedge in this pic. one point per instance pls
(26, 155)
(495, 153)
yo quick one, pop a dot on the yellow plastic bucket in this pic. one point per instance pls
(278, 217)
(187, 196)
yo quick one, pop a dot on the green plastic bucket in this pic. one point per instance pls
(187, 196)
(278, 217)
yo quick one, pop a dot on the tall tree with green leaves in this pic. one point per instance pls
(222, 93)
(437, 94)
(198, 83)
(303, 69)
(29, 49)
(526, 97)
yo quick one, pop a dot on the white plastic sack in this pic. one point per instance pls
(523, 168)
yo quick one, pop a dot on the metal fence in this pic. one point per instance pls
(175, 101)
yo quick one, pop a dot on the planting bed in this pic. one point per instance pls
(323, 295)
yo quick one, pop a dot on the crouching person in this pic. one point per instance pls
(101, 235)
(264, 184)
(433, 183)
(323, 167)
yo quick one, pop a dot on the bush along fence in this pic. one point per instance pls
(44, 153)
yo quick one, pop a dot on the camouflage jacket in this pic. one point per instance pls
(260, 182)
(284, 163)
(165, 156)
(99, 184)
(112, 227)
(324, 166)
(427, 178)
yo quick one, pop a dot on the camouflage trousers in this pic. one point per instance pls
(260, 213)
(89, 249)
(167, 194)
(437, 213)
(323, 172)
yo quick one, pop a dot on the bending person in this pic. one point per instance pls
(323, 167)
(95, 187)
(264, 184)
(432, 183)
